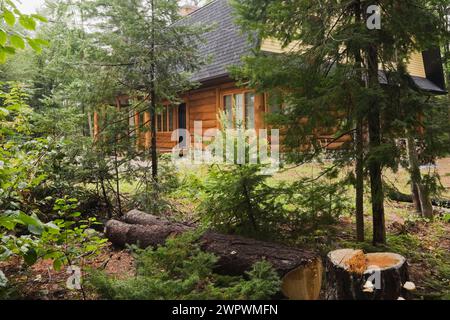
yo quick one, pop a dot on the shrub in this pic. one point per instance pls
(241, 200)
(66, 240)
(6, 291)
(155, 196)
(181, 271)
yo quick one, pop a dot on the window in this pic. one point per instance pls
(165, 119)
(159, 122)
(249, 111)
(228, 101)
(171, 114)
(240, 110)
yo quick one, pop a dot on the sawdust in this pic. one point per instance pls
(357, 263)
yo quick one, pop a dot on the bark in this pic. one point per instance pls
(349, 270)
(420, 195)
(117, 176)
(396, 195)
(375, 165)
(359, 146)
(154, 152)
(106, 198)
(416, 198)
(300, 270)
(359, 187)
(91, 129)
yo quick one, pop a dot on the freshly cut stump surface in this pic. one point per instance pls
(353, 275)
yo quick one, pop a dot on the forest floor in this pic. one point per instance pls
(425, 244)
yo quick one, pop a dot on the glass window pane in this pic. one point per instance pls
(159, 122)
(229, 110)
(171, 112)
(239, 107)
(165, 119)
(250, 111)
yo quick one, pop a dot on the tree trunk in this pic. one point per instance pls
(359, 146)
(117, 177)
(416, 198)
(300, 270)
(348, 272)
(154, 152)
(420, 195)
(91, 129)
(396, 195)
(105, 197)
(375, 166)
(359, 171)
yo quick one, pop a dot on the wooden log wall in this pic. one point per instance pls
(206, 105)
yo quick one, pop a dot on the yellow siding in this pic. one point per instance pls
(273, 45)
(415, 65)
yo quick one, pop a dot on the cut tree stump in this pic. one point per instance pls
(300, 270)
(353, 275)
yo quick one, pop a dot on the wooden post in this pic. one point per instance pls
(148, 133)
(218, 109)
(96, 126)
(259, 112)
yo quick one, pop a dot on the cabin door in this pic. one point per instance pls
(182, 125)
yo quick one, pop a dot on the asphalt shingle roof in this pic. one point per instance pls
(427, 85)
(225, 44)
(420, 83)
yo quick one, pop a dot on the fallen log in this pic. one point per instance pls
(353, 275)
(396, 195)
(300, 270)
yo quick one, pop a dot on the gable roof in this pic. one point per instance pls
(225, 44)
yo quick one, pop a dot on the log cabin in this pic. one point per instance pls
(225, 45)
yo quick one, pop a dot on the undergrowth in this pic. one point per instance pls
(181, 271)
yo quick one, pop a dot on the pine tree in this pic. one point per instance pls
(336, 71)
(153, 51)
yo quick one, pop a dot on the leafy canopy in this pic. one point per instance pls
(14, 30)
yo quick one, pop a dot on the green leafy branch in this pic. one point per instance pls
(11, 19)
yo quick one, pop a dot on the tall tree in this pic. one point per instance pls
(336, 70)
(359, 143)
(153, 51)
